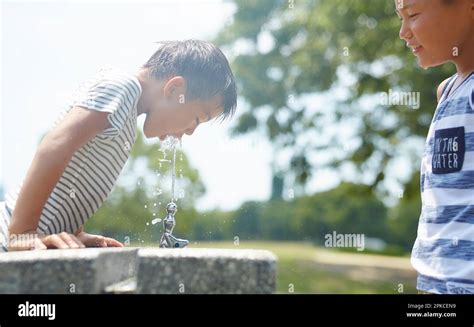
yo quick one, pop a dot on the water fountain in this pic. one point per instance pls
(141, 270)
(167, 239)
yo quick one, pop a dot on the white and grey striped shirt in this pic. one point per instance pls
(95, 167)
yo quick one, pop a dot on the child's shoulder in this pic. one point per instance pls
(110, 81)
(442, 86)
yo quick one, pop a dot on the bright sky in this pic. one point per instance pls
(49, 47)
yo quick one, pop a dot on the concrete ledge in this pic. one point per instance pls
(82, 271)
(133, 270)
(215, 271)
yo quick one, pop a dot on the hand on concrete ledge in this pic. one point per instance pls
(91, 240)
(33, 241)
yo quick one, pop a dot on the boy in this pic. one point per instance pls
(184, 84)
(440, 31)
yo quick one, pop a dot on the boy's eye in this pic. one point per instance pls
(413, 15)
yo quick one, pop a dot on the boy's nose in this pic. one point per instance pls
(190, 131)
(405, 32)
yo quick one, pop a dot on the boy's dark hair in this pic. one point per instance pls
(203, 65)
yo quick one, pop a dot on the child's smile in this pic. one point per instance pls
(428, 30)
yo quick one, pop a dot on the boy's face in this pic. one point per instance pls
(170, 113)
(436, 32)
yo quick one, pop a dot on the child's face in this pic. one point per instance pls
(171, 114)
(436, 32)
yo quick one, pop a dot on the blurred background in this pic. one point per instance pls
(314, 148)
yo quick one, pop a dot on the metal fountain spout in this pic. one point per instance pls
(167, 239)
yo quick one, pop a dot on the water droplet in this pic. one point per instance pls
(154, 204)
(155, 221)
(154, 214)
(147, 223)
(159, 203)
(145, 206)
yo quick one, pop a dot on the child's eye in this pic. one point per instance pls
(413, 15)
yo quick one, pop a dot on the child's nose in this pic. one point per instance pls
(405, 32)
(190, 131)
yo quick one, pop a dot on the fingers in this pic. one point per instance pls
(62, 241)
(113, 243)
(69, 241)
(98, 240)
(54, 241)
(72, 241)
(39, 245)
(101, 242)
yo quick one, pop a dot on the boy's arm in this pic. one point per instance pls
(51, 159)
(441, 87)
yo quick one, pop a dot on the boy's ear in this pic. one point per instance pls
(175, 88)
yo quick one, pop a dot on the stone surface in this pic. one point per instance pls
(81, 271)
(205, 271)
(133, 270)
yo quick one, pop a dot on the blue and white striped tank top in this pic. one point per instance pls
(443, 253)
(95, 167)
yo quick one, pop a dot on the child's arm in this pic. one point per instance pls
(51, 159)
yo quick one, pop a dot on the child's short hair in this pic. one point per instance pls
(203, 65)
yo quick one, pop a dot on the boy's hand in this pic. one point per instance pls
(33, 241)
(92, 240)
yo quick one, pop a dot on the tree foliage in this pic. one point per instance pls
(346, 51)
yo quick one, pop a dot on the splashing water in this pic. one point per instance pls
(170, 143)
(173, 176)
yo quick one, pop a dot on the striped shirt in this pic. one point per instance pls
(443, 253)
(94, 168)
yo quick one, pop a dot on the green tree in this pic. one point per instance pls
(346, 51)
(403, 218)
(347, 209)
(246, 223)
